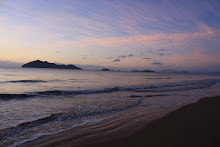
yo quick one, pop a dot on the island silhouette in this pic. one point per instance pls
(105, 69)
(45, 64)
(142, 71)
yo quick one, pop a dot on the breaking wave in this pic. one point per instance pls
(82, 110)
(26, 81)
(15, 96)
(149, 88)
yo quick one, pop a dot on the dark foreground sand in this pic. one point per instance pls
(196, 125)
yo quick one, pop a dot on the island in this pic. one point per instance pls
(106, 69)
(142, 71)
(45, 64)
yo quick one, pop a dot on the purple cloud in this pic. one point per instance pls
(130, 55)
(157, 63)
(116, 60)
(123, 56)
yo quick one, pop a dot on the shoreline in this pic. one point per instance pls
(190, 125)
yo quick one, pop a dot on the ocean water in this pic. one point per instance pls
(37, 102)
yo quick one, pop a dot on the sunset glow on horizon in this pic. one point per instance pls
(151, 34)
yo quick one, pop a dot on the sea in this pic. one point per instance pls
(35, 102)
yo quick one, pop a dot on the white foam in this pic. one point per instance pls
(34, 137)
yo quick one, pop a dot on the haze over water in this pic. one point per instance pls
(36, 102)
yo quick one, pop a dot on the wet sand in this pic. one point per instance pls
(196, 124)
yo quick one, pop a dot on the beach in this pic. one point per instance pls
(195, 124)
(192, 125)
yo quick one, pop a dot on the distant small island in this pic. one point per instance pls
(45, 64)
(142, 71)
(105, 69)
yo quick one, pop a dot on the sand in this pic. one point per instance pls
(196, 124)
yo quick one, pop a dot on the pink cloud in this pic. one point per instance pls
(195, 60)
(152, 39)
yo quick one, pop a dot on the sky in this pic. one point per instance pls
(132, 34)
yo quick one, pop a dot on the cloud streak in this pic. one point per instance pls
(131, 55)
(116, 60)
(157, 63)
(123, 56)
(152, 39)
